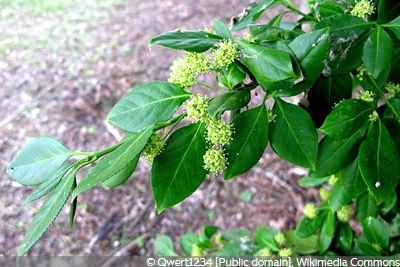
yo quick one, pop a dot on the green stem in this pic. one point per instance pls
(212, 87)
(178, 120)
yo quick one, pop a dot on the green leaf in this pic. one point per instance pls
(395, 108)
(394, 26)
(365, 248)
(327, 8)
(191, 41)
(293, 135)
(335, 154)
(249, 140)
(301, 245)
(265, 238)
(122, 176)
(366, 206)
(311, 50)
(268, 33)
(222, 30)
(308, 181)
(324, 237)
(347, 118)
(378, 51)
(147, 105)
(116, 162)
(178, 171)
(351, 182)
(164, 246)
(47, 213)
(231, 76)
(235, 234)
(375, 232)
(251, 14)
(307, 227)
(387, 10)
(379, 161)
(38, 160)
(50, 184)
(187, 241)
(229, 101)
(205, 236)
(273, 69)
(345, 236)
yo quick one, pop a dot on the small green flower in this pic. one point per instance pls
(154, 147)
(280, 239)
(310, 211)
(344, 213)
(362, 9)
(271, 116)
(366, 96)
(197, 108)
(285, 252)
(214, 161)
(265, 252)
(332, 180)
(225, 54)
(181, 74)
(198, 63)
(393, 89)
(324, 193)
(361, 72)
(377, 247)
(218, 133)
(373, 116)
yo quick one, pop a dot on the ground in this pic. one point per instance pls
(63, 65)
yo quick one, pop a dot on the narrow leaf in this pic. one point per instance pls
(379, 162)
(38, 160)
(293, 135)
(117, 161)
(347, 118)
(249, 141)
(122, 176)
(178, 171)
(378, 51)
(191, 41)
(47, 213)
(229, 101)
(273, 69)
(147, 105)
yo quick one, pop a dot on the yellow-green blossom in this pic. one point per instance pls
(324, 193)
(344, 213)
(280, 239)
(377, 247)
(181, 74)
(310, 211)
(218, 133)
(361, 72)
(362, 8)
(265, 252)
(154, 147)
(373, 116)
(197, 108)
(285, 252)
(366, 96)
(393, 89)
(271, 116)
(214, 161)
(332, 180)
(225, 54)
(198, 63)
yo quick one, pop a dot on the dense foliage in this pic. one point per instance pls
(342, 57)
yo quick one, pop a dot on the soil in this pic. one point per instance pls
(62, 68)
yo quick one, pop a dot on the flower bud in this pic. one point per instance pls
(310, 211)
(214, 161)
(344, 213)
(197, 108)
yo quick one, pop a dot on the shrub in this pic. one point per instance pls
(346, 68)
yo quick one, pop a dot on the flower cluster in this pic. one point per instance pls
(218, 133)
(265, 252)
(280, 239)
(344, 213)
(332, 180)
(285, 252)
(225, 54)
(310, 211)
(373, 116)
(362, 9)
(361, 72)
(392, 89)
(185, 69)
(324, 193)
(154, 147)
(366, 96)
(214, 160)
(197, 108)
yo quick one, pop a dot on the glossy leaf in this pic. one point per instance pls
(329, 8)
(307, 227)
(351, 182)
(116, 162)
(335, 154)
(387, 10)
(379, 161)
(265, 238)
(304, 246)
(231, 76)
(50, 184)
(365, 247)
(229, 101)
(221, 29)
(47, 213)
(378, 51)
(272, 68)
(375, 232)
(345, 236)
(395, 108)
(147, 105)
(293, 135)
(308, 181)
(187, 241)
(251, 14)
(164, 246)
(324, 236)
(347, 118)
(207, 232)
(122, 176)
(311, 50)
(366, 206)
(178, 171)
(249, 140)
(191, 41)
(38, 160)
(268, 33)
(394, 26)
